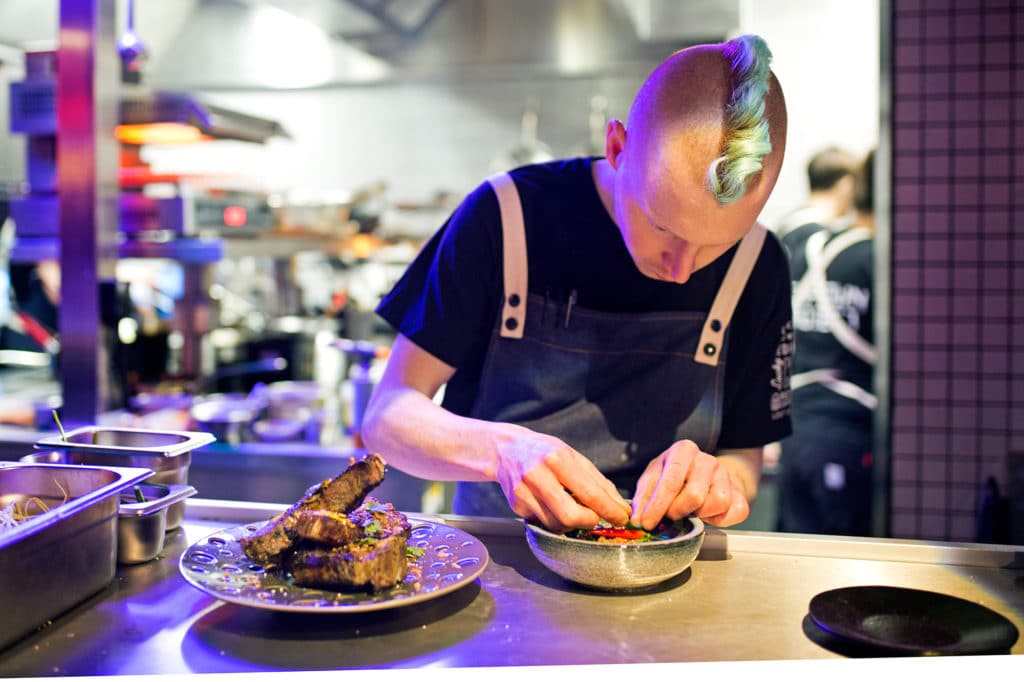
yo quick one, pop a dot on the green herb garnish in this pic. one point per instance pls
(63, 436)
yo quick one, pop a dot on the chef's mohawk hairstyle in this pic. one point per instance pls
(747, 140)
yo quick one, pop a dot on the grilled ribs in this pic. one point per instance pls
(379, 519)
(324, 527)
(374, 559)
(376, 565)
(335, 536)
(340, 494)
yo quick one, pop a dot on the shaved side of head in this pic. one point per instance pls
(710, 121)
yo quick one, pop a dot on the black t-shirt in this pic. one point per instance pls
(448, 300)
(850, 282)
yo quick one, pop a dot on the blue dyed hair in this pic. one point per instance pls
(748, 140)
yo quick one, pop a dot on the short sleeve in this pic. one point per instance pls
(756, 405)
(447, 300)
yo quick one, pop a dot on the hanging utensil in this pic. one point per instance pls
(530, 148)
(131, 50)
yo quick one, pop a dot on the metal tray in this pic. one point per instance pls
(57, 558)
(168, 453)
(115, 440)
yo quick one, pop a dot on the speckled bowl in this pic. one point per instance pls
(614, 566)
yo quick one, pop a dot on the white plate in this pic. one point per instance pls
(452, 558)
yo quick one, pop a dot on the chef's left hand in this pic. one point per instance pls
(684, 481)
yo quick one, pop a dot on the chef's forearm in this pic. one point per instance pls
(745, 467)
(423, 439)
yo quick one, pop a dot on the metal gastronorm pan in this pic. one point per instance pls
(168, 453)
(58, 558)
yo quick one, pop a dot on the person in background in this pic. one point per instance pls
(830, 179)
(29, 299)
(606, 327)
(825, 469)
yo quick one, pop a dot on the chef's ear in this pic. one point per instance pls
(614, 142)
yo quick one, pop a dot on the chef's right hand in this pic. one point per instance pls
(546, 481)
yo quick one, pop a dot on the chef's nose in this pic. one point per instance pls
(679, 261)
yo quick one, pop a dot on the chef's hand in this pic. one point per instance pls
(684, 481)
(546, 481)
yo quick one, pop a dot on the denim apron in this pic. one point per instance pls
(619, 388)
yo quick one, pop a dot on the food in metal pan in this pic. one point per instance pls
(15, 512)
(335, 536)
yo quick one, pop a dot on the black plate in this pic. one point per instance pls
(907, 621)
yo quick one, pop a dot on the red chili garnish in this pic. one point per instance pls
(623, 533)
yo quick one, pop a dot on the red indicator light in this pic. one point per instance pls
(234, 216)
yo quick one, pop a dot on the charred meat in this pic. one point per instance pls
(376, 565)
(323, 527)
(340, 494)
(379, 519)
(336, 537)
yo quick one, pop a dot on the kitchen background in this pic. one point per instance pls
(407, 105)
(441, 108)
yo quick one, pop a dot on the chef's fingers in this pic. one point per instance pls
(739, 510)
(587, 486)
(612, 490)
(550, 493)
(646, 503)
(718, 497)
(644, 490)
(573, 465)
(526, 505)
(677, 476)
(695, 492)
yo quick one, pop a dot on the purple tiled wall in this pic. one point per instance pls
(957, 259)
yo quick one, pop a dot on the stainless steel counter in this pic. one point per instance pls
(744, 599)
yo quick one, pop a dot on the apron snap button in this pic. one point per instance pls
(513, 300)
(716, 325)
(511, 323)
(709, 349)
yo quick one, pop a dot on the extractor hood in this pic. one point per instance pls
(162, 117)
(180, 115)
(270, 44)
(197, 45)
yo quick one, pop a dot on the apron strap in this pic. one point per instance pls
(713, 335)
(814, 284)
(831, 379)
(513, 241)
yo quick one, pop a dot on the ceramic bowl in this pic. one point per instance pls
(617, 566)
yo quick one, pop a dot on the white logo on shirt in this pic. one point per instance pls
(782, 367)
(849, 300)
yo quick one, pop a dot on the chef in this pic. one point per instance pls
(606, 328)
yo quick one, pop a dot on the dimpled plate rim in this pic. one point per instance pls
(217, 565)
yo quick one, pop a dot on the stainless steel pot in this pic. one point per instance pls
(183, 396)
(229, 417)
